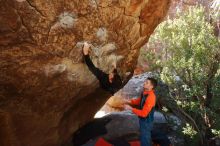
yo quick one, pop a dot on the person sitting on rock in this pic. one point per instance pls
(145, 111)
(110, 82)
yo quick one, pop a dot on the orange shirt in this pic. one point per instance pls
(149, 104)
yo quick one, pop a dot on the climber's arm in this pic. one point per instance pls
(97, 72)
(135, 101)
(149, 104)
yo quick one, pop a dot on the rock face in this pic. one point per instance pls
(133, 89)
(46, 91)
(124, 126)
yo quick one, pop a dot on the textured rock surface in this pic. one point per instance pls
(133, 89)
(46, 91)
(125, 126)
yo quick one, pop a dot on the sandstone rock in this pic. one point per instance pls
(46, 91)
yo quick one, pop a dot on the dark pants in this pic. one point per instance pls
(145, 132)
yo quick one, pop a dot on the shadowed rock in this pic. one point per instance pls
(46, 91)
(120, 128)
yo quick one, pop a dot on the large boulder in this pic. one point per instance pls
(124, 126)
(46, 91)
(133, 89)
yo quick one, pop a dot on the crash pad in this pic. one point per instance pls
(102, 142)
(135, 143)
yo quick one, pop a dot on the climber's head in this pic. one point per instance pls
(115, 79)
(150, 84)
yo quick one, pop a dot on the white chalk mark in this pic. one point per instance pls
(54, 69)
(20, 0)
(67, 20)
(94, 3)
(108, 49)
(102, 34)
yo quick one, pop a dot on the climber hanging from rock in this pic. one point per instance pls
(111, 82)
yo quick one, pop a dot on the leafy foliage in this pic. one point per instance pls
(188, 62)
(188, 130)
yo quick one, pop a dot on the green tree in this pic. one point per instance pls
(190, 58)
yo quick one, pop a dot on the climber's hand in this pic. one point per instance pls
(127, 101)
(128, 107)
(86, 47)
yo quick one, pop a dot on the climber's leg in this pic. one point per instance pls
(145, 133)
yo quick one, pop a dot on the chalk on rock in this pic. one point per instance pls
(108, 49)
(20, 0)
(102, 34)
(81, 44)
(67, 20)
(94, 3)
(54, 69)
(119, 58)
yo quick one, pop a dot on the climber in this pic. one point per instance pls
(110, 82)
(145, 111)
